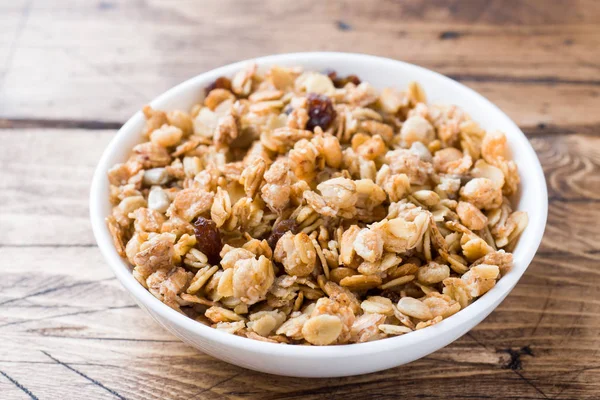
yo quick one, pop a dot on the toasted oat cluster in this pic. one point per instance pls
(300, 207)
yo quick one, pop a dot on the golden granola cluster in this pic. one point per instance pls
(305, 208)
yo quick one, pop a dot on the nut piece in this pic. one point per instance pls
(322, 329)
(155, 176)
(158, 199)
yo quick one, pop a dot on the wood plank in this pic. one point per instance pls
(89, 324)
(531, 67)
(13, 16)
(44, 180)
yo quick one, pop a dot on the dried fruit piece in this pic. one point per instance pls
(341, 81)
(280, 228)
(208, 239)
(320, 111)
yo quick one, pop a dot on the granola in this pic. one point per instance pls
(301, 207)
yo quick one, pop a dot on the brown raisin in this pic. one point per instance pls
(340, 82)
(208, 239)
(320, 111)
(220, 83)
(390, 294)
(331, 74)
(280, 228)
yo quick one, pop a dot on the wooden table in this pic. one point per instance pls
(71, 72)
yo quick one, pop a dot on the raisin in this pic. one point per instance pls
(340, 82)
(280, 228)
(221, 83)
(320, 111)
(331, 74)
(390, 294)
(208, 239)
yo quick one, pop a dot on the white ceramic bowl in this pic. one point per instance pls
(353, 359)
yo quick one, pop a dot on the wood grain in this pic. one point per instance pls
(72, 71)
(134, 51)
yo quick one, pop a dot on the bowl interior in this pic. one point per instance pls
(380, 72)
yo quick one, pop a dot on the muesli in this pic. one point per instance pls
(304, 207)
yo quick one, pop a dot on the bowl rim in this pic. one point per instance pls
(475, 311)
